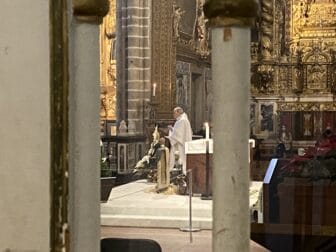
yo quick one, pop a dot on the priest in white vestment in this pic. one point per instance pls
(178, 135)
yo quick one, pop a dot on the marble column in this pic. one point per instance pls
(230, 21)
(231, 83)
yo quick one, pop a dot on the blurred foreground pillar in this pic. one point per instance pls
(230, 21)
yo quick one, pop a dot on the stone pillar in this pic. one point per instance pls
(231, 128)
(133, 59)
(84, 129)
(84, 134)
(231, 88)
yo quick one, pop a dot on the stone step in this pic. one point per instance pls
(154, 221)
(147, 210)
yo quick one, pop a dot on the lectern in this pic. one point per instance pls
(196, 152)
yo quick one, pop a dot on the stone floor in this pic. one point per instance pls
(171, 240)
(136, 204)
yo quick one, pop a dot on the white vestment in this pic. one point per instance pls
(180, 134)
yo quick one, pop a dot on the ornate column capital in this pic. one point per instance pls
(231, 12)
(90, 10)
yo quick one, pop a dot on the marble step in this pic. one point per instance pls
(154, 221)
(147, 210)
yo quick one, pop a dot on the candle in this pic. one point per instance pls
(207, 133)
(154, 88)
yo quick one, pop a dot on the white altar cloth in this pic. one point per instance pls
(198, 146)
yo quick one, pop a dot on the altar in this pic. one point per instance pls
(199, 161)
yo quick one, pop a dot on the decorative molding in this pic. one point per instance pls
(306, 106)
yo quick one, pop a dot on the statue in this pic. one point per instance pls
(163, 174)
(285, 139)
(148, 164)
(122, 128)
(178, 12)
(145, 161)
(201, 31)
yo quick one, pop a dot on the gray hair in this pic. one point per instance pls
(178, 110)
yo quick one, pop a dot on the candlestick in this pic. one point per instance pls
(207, 131)
(154, 88)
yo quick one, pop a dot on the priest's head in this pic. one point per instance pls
(177, 112)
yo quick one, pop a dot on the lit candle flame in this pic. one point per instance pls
(154, 89)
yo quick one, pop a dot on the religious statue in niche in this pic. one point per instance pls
(285, 138)
(202, 30)
(266, 122)
(122, 130)
(297, 79)
(178, 12)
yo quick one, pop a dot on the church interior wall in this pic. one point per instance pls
(292, 70)
(190, 51)
(152, 52)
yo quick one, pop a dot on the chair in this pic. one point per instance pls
(129, 245)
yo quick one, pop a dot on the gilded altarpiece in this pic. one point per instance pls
(293, 58)
(293, 79)
(108, 64)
